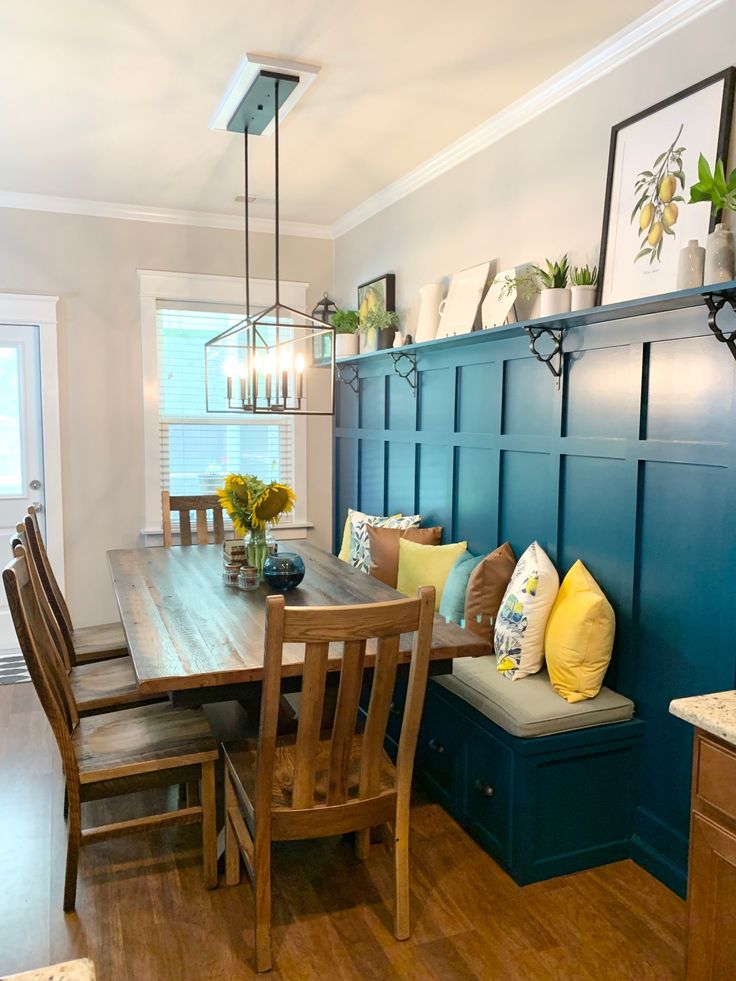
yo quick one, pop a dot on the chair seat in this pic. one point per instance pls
(101, 640)
(141, 740)
(240, 758)
(105, 684)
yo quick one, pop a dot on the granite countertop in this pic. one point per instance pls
(80, 970)
(713, 713)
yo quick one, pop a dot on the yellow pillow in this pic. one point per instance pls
(344, 552)
(578, 640)
(426, 565)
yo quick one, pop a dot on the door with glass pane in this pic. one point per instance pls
(21, 445)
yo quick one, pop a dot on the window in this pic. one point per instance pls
(197, 448)
(187, 449)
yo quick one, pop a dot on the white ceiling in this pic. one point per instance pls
(110, 100)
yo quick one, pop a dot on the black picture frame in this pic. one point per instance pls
(389, 279)
(728, 76)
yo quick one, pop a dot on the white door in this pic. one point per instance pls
(21, 445)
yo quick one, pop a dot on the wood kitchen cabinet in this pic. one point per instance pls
(711, 951)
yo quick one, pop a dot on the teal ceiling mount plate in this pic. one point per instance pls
(258, 108)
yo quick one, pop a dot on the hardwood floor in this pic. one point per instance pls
(142, 914)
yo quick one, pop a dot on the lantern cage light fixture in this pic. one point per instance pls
(279, 360)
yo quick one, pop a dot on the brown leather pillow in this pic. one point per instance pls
(486, 586)
(384, 546)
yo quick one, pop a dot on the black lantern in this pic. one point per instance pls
(323, 311)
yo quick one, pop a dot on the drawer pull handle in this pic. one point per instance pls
(484, 788)
(437, 747)
(394, 709)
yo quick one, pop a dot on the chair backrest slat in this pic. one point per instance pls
(346, 714)
(310, 723)
(50, 582)
(379, 625)
(201, 504)
(49, 679)
(64, 650)
(379, 706)
(185, 528)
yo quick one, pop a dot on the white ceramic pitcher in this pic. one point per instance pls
(429, 312)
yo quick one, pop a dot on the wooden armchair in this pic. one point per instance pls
(119, 753)
(337, 780)
(96, 643)
(200, 504)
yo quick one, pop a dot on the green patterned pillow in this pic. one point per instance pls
(360, 546)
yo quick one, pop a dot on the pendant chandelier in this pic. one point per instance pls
(278, 360)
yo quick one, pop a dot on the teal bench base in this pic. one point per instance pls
(541, 807)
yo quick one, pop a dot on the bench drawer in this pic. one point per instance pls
(488, 790)
(439, 748)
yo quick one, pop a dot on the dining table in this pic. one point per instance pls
(198, 640)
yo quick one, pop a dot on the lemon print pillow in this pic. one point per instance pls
(518, 637)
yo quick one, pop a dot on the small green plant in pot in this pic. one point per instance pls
(346, 324)
(583, 287)
(713, 186)
(378, 328)
(555, 291)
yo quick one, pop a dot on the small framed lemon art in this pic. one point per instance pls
(653, 161)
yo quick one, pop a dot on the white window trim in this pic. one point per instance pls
(27, 309)
(155, 287)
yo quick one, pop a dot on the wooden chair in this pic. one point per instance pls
(328, 782)
(200, 504)
(99, 686)
(95, 643)
(120, 753)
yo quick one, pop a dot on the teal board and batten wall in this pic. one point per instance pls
(630, 466)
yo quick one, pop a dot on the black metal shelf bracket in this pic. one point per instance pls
(552, 358)
(405, 366)
(348, 375)
(716, 302)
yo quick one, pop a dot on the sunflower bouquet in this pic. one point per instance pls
(253, 505)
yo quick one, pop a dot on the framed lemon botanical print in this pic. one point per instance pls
(652, 163)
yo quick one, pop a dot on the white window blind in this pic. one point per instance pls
(199, 448)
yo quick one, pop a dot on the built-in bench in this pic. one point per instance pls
(545, 786)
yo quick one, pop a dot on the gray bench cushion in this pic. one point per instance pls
(530, 706)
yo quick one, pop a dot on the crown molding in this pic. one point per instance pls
(664, 19)
(165, 216)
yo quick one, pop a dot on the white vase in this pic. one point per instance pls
(555, 301)
(719, 256)
(582, 297)
(346, 345)
(429, 312)
(691, 266)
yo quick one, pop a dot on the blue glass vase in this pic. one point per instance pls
(283, 571)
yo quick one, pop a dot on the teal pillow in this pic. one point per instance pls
(452, 605)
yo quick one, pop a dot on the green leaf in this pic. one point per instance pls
(646, 173)
(704, 171)
(642, 254)
(659, 159)
(638, 205)
(680, 175)
(668, 231)
(719, 178)
(678, 197)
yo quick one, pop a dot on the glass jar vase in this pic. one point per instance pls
(259, 545)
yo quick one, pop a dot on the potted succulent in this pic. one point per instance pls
(713, 186)
(347, 325)
(378, 329)
(584, 285)
(555, 293)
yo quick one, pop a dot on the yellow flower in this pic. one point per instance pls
(276, 499)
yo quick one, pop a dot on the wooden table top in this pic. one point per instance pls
(186, 629)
